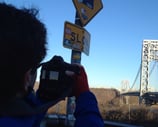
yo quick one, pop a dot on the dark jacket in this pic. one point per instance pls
(87, 114)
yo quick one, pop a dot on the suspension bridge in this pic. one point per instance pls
(147, 75)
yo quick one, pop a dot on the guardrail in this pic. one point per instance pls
(116, 124)
(56, 120)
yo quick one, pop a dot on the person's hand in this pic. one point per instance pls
(80, 82)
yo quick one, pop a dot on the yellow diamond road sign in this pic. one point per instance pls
(87, 9)
(76, 38)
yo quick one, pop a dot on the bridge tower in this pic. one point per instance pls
(149, 53)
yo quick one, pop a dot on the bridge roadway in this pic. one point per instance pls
(137, 93)
(149, 98)
(130, 93)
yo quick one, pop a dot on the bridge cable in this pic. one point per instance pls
(136, 77)
(153, 67)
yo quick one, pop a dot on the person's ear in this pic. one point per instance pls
(29, 79)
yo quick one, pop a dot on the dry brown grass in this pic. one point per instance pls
(117, 108)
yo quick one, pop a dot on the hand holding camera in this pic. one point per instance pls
(55, 83)
(80, 83)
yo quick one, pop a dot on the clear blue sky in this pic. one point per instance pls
(117, 32)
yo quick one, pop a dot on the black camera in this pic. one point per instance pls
(54, 83)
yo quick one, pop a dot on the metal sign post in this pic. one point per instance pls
(78, 39)
(75, 58)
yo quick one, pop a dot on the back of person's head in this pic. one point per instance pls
(22, 46)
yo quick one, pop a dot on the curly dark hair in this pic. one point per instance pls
(22, 46)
